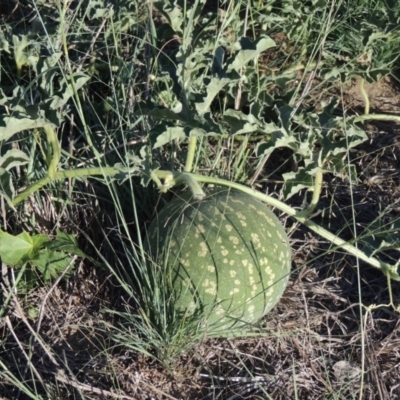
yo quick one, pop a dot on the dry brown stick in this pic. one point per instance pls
(311, 364)
(61, 377)
(42, 305)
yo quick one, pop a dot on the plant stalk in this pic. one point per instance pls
(191, 153)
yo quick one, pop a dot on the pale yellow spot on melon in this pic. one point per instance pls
(232, 273)
(233, 291)
(231, 262)
(219, 310)
(211, 268)
(200, 229)
(228, 207)
(237, 282)
(200, 217)
(225, 261)
(240, 215)
(279, 235)
(228, 227)
(185, 263)
(224, 252)
(236, 201)
(219, 239)
(255, 238)
(268, 270)
(234, 239)
(251, 309)
(245, 262)
(270, 291)
(243, 223)
(238, 252)
(212, 289)
(172, 243)
(203, 249)
(250, 268)
(251, 280)
(269, 234)
(262, 261)
(252, 206)
(272, 223)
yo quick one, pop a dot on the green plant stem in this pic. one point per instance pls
(78, 173)
(378, 117)
(317, 192)
(191, 153)
(56, 151)
(364, 96)
(174, 177)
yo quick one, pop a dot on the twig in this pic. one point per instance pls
(42, 305)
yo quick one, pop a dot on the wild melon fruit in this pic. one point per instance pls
(228, 254)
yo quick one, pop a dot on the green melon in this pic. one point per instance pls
(228, 254)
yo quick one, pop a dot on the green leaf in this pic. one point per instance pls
(51, 263)
(20, 55)
(177, 113)
(172, 12)
(17, 250)
(381, 236)
(249, 51)
(279, 138)
(13, 158)
(19, 122)
(213, 88)
(67, 91)
(4, 44)
(6, 186)
(142, 165)
(241, 123)
(295, 181)
(169, 135)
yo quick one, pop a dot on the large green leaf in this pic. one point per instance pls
(213, 88)
(17, 250)
(295, 181)
(51, 263)
(170, 134)
(13, 158)
(248, 51)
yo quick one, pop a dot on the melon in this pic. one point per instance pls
(227, 254)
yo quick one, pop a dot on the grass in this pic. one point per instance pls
(122, 86)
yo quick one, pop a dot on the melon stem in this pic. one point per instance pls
(191, 153)
(316, 194)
